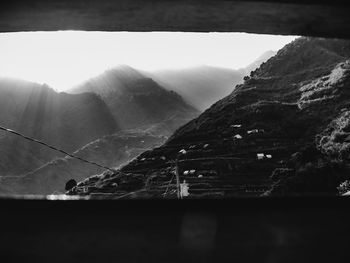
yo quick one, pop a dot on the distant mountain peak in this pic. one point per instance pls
(126, 70)
(201, 85)
(134, 99)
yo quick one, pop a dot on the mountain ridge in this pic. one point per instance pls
(136, 100)
(277, 133)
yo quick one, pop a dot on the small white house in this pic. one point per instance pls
(238, 137)
(260, 156)
(183, 151)
(253, 131)
(236, 125)
(184, 189)
(186, 172)
(192, 171)
(205, 146)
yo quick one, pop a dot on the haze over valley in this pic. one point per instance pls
(232, 114)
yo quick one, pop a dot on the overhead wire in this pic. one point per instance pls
(55, 148)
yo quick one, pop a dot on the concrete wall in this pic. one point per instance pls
(294, 17)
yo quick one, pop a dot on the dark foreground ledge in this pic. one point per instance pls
(322, 18)
(296, 229)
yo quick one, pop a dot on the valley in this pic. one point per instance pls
(280, 126)
(109, 119)
(282, 110)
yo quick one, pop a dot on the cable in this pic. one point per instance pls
(55, 149)
(166, 191)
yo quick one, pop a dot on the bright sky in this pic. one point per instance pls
(65, 58)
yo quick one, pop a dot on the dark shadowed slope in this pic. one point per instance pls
(200, 86)
(137, 101)
(64, 120)
(294, 112)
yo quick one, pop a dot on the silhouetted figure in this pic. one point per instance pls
(70, 184)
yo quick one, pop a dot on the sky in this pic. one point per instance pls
(63, 59)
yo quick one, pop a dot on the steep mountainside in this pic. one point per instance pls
(284, 131)
(137, 101)
(111, 151)
(64, 120)
(200, 86)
